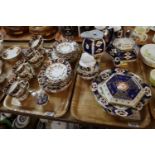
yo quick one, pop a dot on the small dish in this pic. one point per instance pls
(120, 92)
(11, 53)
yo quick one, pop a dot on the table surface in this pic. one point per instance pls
(68, 116)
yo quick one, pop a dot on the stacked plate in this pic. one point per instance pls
(55, 75)
(120, 92)
(148, 54)
(68, 50)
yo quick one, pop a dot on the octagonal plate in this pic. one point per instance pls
(120, 92)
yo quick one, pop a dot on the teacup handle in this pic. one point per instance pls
(143, 37)
(24, 84)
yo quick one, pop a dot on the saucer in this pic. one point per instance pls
(11, 53)
(120, 92)
(148, 54)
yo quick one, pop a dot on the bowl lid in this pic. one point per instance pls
(124, 44)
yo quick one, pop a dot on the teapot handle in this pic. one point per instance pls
(111, 35)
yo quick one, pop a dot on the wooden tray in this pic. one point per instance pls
(22, 38)
(56, 107)
(150, 35)
(146, 70)
(85, 108)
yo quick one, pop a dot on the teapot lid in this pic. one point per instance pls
(93, 34)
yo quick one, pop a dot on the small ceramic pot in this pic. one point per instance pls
(88, 68)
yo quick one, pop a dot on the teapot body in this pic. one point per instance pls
(94, 46)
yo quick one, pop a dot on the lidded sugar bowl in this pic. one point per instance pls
(123, 50)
